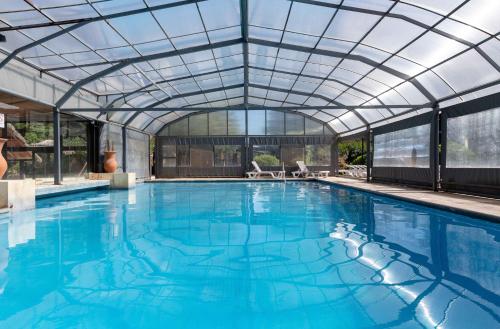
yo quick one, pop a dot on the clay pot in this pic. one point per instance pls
(110, 163)
(3, 162)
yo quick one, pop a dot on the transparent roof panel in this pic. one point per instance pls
(327, 57)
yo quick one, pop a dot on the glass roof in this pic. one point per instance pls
(349, 63)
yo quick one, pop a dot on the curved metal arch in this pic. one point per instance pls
(337, 54)
(111, 104)
(134, 60)
(412, 21)
(194, 93)
(329, 79)
(79, 23)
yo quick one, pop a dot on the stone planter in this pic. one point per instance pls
(3, 162)
(110, 163)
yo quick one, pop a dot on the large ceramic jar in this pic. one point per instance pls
(110, 163)
(3, 162)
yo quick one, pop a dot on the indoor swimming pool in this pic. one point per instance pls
(246, 255)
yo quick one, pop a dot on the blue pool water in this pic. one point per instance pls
(246, 255)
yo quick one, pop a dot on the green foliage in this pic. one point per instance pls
(267, 160)
(351, 151)
(359, 160)
(35, 132)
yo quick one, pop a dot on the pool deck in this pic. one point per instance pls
(487, 208)
(71, 186)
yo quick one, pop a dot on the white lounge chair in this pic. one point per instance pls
(257, 172)
(305, 172)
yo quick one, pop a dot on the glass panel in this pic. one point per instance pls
(127, 26)
(403, 148)
(168, 155)
(467, 71)
(202, 156)
(271, 14)
(256, 122)
(308, 19)
(350, 26)
(294, 124)
(218, 123)
(181, 21)
(236, 122)
(183, 156)
(290, 154)
(318, 155)
(431, 49)
(313, 127)
(266, 155)
(198, 125)
(227, 155)
(392, 34)
(275, 123)
(473, 141)
(179, 128)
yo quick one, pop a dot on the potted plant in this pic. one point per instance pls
(110, 163)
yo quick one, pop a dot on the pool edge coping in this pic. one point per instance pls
(457, 210)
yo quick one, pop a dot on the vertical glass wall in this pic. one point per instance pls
(224, 143)
(29, 150)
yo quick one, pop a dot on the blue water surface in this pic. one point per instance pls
(246, 255)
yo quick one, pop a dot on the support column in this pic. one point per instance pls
(435, 127)
(57, 146)
(368, 153)
(124, 148)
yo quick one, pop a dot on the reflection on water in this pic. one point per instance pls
(246, 255)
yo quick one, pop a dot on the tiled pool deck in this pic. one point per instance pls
(71, 186)
(472, 205)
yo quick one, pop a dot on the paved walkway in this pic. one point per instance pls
(475, 206)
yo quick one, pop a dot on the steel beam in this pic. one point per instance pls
(75, 24)
(124, 148)
(134, 60)
(337, 54)
(435, 126)
(57, 146)
(409, 20)
(291, 108)
(244, 36)
(101, 17)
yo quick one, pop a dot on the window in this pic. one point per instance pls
(168, 153)
(275, 123)
(403, 148)
(294, 124)
(290, 154)
(257, 122)
(227, 155)
(217, 123)
(202, 156)
(318, 155)
(473, 141)
(179, 128)
(266, 155)
(236, 123)
(313, 127)
(198, 125)
(183, 156)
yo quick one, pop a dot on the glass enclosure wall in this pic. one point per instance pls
(402, 151)
(403, 148)
(30, 147)
(471, 147)
(138, 159)
(217, 143)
